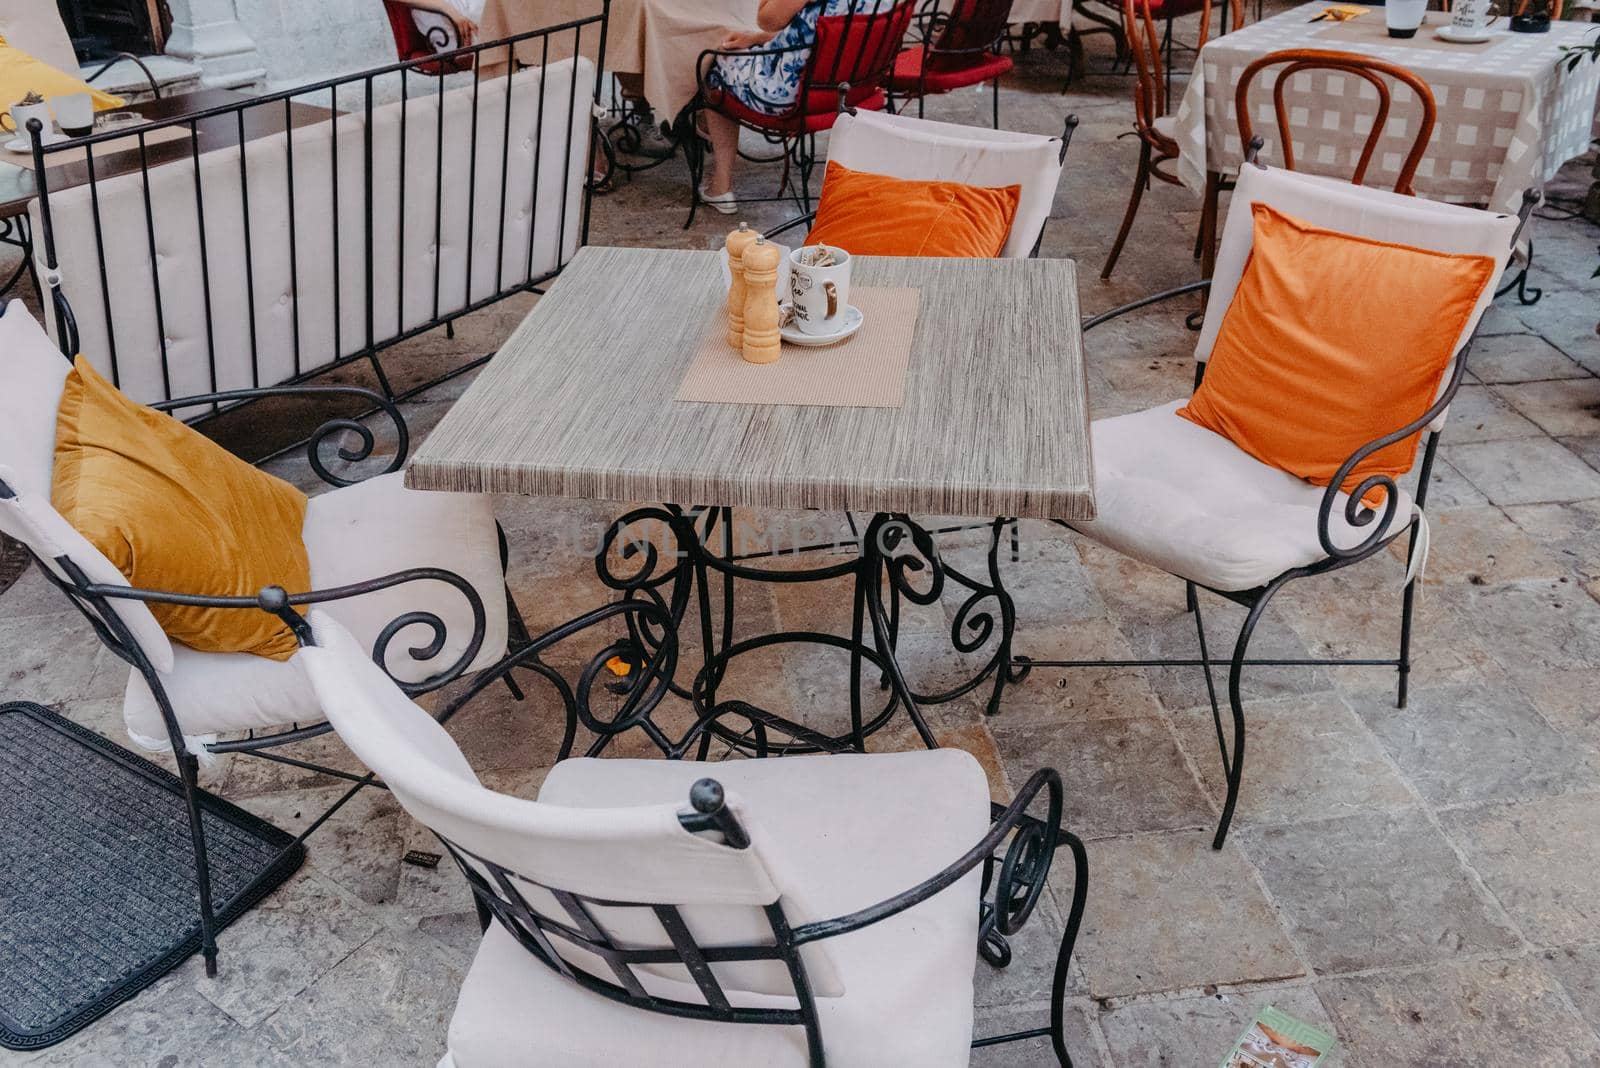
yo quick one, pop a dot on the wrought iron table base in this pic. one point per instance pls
(895, 560)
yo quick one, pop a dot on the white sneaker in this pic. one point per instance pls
(726, 203)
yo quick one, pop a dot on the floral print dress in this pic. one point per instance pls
(769, 84)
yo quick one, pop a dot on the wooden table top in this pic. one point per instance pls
(580, 401)
(17, 186)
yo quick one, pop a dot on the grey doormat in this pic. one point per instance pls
(97, 874)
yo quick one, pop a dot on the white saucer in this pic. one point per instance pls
(20, 144)
(1455, 36)
(850, 322)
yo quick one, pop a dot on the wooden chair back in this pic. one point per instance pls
(1139, 26)
(1374, 72)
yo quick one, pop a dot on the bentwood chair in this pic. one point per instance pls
(960, 48)
(922, 150)
(1292, 61)
(1178, 497)
(417, 577)
(784, 911)
(848, 65)
(1155, 128)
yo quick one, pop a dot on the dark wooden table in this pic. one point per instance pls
(17, 186)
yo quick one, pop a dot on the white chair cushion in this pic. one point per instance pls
(1182, 498)
(848, 831)
(359, 532)
(35, 373)
(1167, 126)
(922, 150)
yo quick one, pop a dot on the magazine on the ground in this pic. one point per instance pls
(1277, 1040)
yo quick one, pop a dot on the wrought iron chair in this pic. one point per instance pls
(1154, 127)
(797, 911)
(960, 48)
(848, 65)
(426, 36)
(1292, 61)
(418, 576)
(921, 150)
(1183, 499)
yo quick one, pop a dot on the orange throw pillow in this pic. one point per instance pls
(875, 215)
(173, 510)
(1331, 342)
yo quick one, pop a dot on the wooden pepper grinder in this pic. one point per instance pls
(762, 343)
(738, 241)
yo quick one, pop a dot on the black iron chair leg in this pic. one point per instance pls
(1233, 761)
(189, 773)
(995, 103)
(1408, 601)
(1141, 179)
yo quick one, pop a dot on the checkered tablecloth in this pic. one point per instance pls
(1508, 116)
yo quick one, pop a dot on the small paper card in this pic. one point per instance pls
(1277, 1040)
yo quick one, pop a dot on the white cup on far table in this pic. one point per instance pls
(74, 113)
(1404, 16)
(15, 122)
(1472, 18)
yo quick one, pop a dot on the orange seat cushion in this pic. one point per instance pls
(875, 215)
(174, 511)
(1333, 341)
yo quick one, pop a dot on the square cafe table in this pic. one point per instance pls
(994, 424)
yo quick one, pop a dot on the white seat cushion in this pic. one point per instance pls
(1167, 126)
(847, 831)
(352, 534)
(1189, 501)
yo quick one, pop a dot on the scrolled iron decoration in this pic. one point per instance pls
(328, 431)
(906, 548)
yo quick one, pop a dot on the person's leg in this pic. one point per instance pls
(724, 135)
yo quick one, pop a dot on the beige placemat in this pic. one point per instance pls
(1370, 29)
(128, 143)
(867, 370)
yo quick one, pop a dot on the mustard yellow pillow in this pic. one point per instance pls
(174, 511)
(21, 73)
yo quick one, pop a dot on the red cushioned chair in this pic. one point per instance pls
(849, 66)
(960, 49)
(410, 42)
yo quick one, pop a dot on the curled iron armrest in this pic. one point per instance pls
(1357, 514)
(155, 86)
(380, 647)
(807, 218)
(327, 430)
(1144, 302)
(1022, 873)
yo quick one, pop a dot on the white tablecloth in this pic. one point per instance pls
(1508, 116)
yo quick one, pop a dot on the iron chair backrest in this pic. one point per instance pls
(968, 29)
(922, 150)
(413, 41)
(1139, 27)
(195, 269)
(1374, 72)
(855, 50)
(671, 908)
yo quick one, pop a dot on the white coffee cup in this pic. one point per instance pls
(819, 295)
(1472, 18)
(16, 121)
(1404, 16)
(74, 113)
